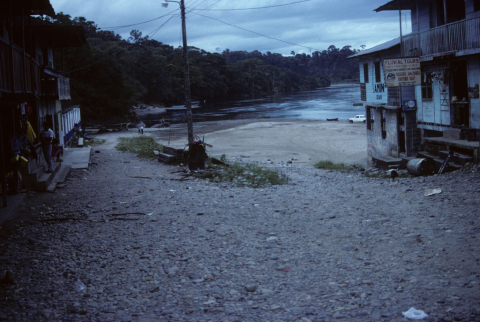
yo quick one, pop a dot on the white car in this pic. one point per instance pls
(357, 118)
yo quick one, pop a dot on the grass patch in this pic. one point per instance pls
(243, 175)
(93, 142)
(142, 146)
(329, 165)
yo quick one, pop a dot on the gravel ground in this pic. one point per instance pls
(151, 245)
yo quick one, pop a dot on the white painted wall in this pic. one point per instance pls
(376, 92)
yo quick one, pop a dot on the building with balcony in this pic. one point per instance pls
(32, 82)
(446, 38)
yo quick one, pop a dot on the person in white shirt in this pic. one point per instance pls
(46, 138)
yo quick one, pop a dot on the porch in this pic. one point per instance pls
(457, 38)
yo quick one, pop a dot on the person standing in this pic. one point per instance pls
(46, 138)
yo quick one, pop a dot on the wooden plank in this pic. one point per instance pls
(173, 151)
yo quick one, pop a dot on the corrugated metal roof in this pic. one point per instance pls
(396, 5)
(386, 45)
(27, 7)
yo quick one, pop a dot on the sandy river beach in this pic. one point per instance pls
(300, 142)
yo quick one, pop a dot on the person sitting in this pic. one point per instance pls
(80, 133)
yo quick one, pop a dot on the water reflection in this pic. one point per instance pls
(332, 102)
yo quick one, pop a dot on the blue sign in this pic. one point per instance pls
(410, 105)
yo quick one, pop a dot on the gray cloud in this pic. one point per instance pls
(316, 24)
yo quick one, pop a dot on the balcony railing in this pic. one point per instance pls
(461, 35)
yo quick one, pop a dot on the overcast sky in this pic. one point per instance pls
(278, 26)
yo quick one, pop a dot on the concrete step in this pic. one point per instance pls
(452, 166)
(426, 155)
(41, 180)
(387, 163)
(457, 158)
(167, 158)
(59, 177)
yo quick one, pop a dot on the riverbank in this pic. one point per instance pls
(280, 141)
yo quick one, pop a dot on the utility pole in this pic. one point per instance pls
(188, 97)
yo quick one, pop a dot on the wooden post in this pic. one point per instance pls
(187, 77)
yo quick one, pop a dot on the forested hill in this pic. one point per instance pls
(111, 74)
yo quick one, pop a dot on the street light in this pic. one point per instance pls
(186, 71)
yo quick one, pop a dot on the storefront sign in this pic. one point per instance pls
(402, 72)
(410, 105)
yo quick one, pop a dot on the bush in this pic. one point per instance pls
(329, 165)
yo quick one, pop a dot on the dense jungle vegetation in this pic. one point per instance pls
(110, 74)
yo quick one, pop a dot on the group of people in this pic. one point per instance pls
(50, 144)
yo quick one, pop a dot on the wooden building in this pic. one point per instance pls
(32, 82)
(446, 38)
(391, 131)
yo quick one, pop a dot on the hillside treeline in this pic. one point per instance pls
(110, 74)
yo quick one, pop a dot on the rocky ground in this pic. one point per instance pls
(135, 240)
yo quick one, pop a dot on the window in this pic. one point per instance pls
(384, 125)
(370, 113)
(436, 13)
(427, 91)
(455, 10)
(365, 72)
(476, 5)
(378, 77)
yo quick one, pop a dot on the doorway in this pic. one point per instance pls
(460, 108)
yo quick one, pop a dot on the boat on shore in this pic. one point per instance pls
(335, 119)
(179, 108)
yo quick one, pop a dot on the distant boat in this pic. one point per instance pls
(335, 119)
(179, 108)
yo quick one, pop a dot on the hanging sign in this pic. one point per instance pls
(402, 72)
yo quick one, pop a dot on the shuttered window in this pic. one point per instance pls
(378, 77)
(365, 73)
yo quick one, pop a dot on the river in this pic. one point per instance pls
(335, 101)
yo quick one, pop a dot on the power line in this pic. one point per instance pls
(136, 24)
(206, 9)
(153, 32)
(255, 8)
(254, 32)
(86, 66)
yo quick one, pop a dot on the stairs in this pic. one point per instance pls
(439, 153)
(41, 181)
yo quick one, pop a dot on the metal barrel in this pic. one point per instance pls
(420, 167)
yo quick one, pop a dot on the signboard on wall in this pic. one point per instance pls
(402, 72)
(410, 105)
